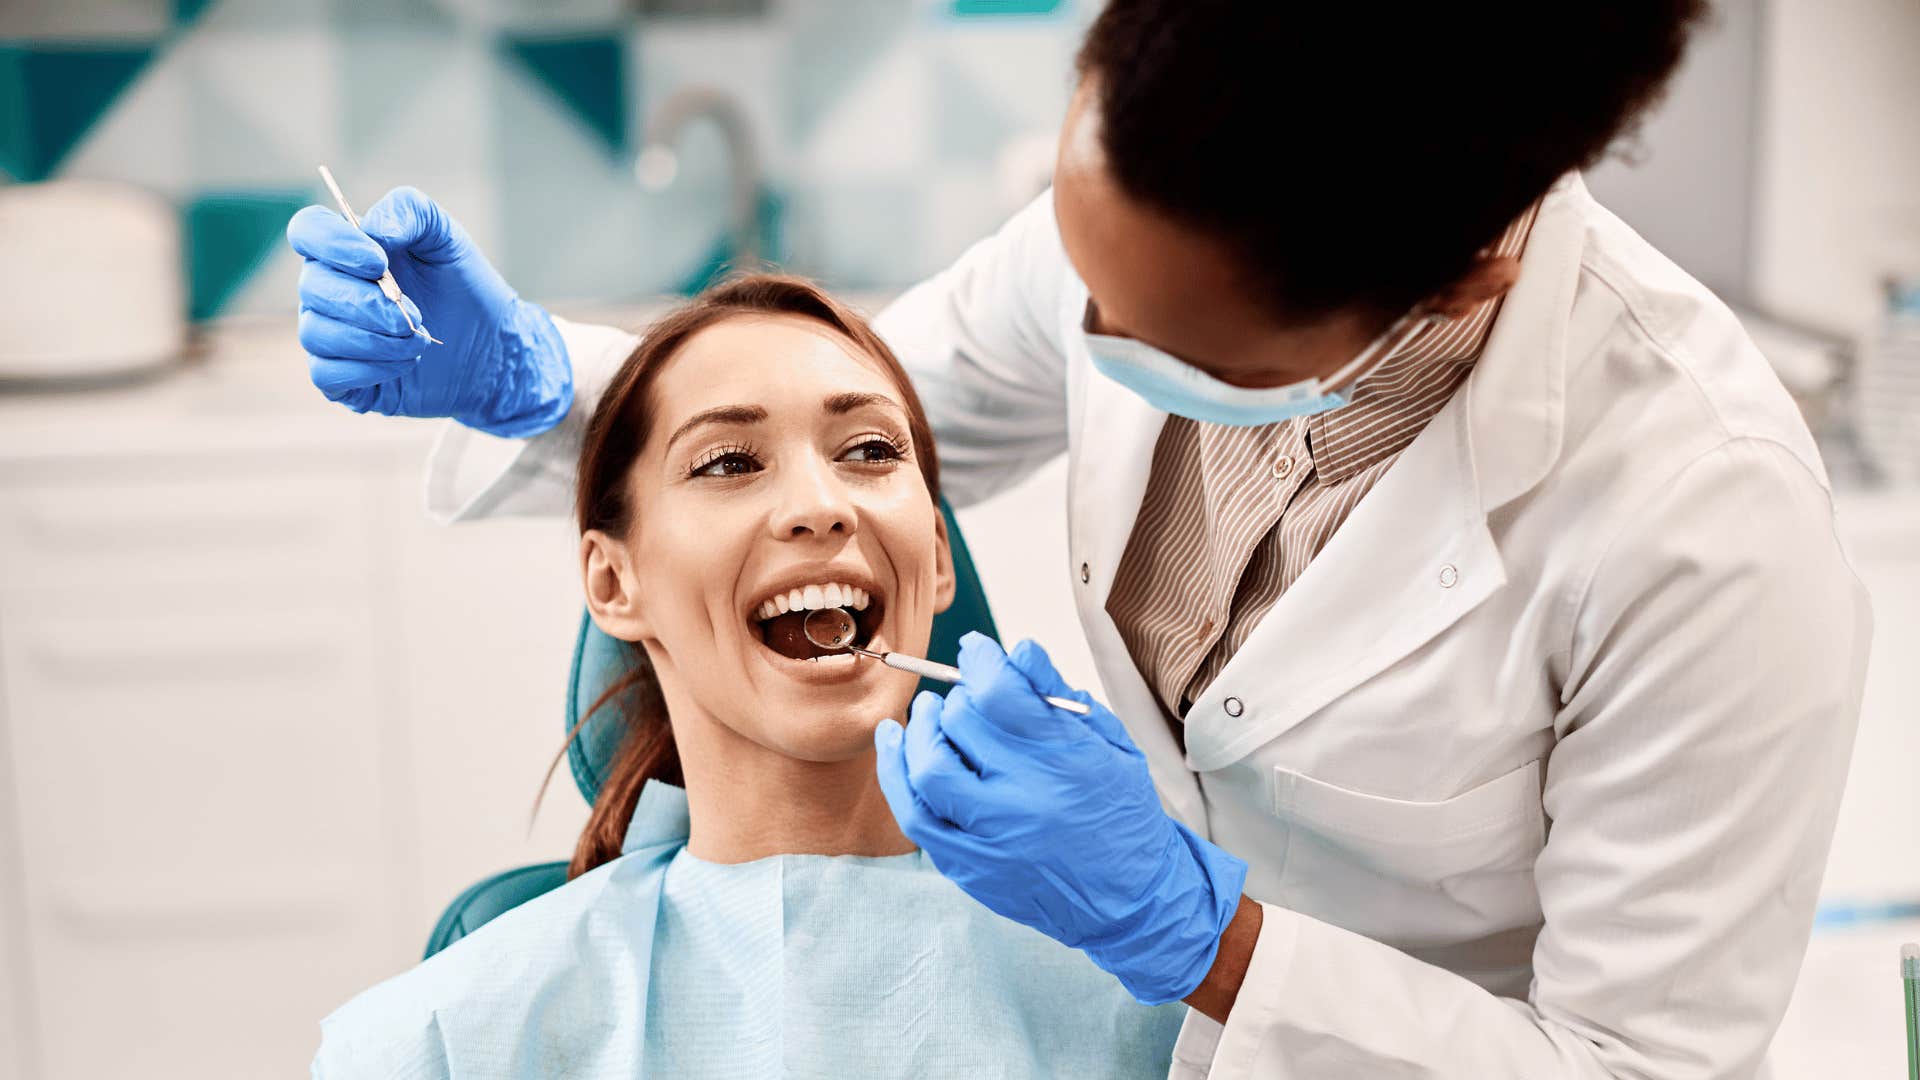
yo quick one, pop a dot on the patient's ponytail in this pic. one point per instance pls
(612, 443)
(646, 753)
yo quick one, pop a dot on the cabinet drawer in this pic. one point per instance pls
(272, 525)
(184, 739)
(206, 806)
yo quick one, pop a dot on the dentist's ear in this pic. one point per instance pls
(1489, 278)
(944, 583)
(606, 571)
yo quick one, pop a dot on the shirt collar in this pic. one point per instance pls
(1393, 403)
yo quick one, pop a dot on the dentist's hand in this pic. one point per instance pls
(1051, 820)
(503, 368)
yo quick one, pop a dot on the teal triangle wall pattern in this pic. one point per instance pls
(769, 209)
(185, 11)
(1005, 7)
(588, 74)
(51, 93)
(228, 235)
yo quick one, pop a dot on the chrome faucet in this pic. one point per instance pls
(659, 161)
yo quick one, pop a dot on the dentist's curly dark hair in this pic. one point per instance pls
(1360, 155)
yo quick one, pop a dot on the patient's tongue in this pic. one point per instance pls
(787, 635)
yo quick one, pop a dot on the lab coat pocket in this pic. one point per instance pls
(1496, 827)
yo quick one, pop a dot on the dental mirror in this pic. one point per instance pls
(829, 628)
(833, 628)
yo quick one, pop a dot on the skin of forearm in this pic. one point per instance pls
(1215, 995)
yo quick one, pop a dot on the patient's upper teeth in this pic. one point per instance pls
(815, 597)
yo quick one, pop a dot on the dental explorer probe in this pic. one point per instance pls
(1910, 975)
(388, 287)
(833, 628)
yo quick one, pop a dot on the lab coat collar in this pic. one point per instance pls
(1516, 396)
(1115, 434)
(1410, 560)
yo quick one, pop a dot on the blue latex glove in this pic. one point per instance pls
(1051, 820)
(503, 369)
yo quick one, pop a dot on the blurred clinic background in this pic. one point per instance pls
(260, 720)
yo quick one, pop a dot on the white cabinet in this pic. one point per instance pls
(190, 655)
(259, 719)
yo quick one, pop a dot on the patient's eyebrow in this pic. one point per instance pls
(723, 414)
(841, 404)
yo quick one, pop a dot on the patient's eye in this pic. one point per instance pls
(726, 461)
(874, 449)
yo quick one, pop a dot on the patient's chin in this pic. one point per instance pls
(826, 731)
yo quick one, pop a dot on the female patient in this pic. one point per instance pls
(760, 454)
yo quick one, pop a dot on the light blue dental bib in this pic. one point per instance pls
(659, 964)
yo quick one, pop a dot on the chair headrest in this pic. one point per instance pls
(598, 660)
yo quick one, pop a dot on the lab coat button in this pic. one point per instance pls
(1449, 577)
(1085, 575)
(1234, 706)
(1282, 467)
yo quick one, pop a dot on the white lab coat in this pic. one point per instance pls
(1536, 766)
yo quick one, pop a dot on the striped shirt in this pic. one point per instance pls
(1233, 515)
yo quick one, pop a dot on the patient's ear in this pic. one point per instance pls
(944, 583)
(606, 570)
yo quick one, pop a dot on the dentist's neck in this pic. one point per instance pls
(747, 802)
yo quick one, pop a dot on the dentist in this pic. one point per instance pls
(1482, 660)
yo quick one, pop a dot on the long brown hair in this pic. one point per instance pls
(613, 441)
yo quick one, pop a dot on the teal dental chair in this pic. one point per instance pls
(597, 661)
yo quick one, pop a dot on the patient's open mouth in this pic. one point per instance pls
(782, 618)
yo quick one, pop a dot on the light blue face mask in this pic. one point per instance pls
(1176, 387)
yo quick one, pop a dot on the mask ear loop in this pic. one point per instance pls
(1384, 345)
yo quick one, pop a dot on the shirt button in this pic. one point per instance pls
(1282, 467)
(1206, 629)
(1449, 577)
(1234, 706)
(1085, 574)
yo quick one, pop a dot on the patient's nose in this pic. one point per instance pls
(813, 502)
